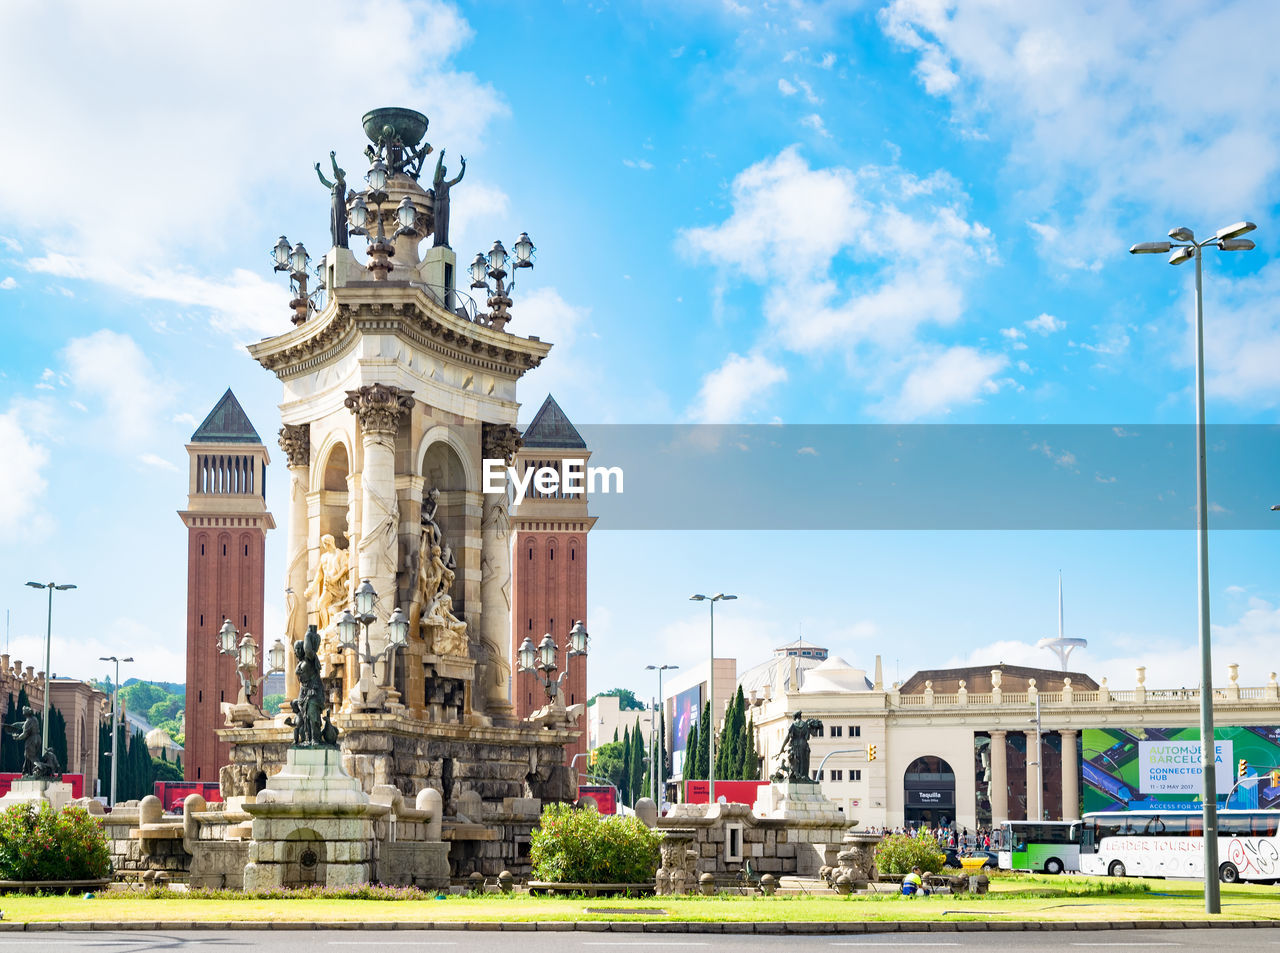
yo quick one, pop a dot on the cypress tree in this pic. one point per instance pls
(637, 764)
(704, 741)
(58, 736)
(689, 770)
(624, 787)
(750, 754)
(7, 743)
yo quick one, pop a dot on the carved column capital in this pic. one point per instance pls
(295, 441)
(501, 441)
(379, 407)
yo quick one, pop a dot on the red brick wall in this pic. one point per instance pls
(225, 573)
(550, 582)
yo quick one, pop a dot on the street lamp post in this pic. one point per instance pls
(711, 693)
(540, 661)
(494, 265)
(48, 643)
(397, 631)
(115, 717)
(661, 786)
(1184, 247)
(245, 652)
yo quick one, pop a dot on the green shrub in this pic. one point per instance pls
(577, 845)
(37, 843)
(898, 853)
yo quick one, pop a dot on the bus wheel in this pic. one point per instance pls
(1229, 874)
(1116, 869)
(1053, 866)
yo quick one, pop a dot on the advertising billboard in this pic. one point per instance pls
(688, 706)
(1150, 768)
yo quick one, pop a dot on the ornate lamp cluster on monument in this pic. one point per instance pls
(395, 388)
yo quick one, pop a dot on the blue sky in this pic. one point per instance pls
(896, 212)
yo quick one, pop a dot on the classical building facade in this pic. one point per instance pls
(550, 560)
(960, 745)
(227, 523)
(83, 708)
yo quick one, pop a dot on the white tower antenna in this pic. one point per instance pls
(1061, 646)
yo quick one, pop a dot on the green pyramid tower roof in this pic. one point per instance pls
(552, 430)
(226, 423)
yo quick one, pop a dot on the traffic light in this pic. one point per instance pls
(871, 752)
(594, 757)
(1244, 769)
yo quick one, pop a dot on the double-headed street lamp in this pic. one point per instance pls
(348, 625)
(494, 265)
(294, 260)
(245, 652)
(1184, 247)
(48, 641)
(541, 661)
(659, 732)
(115, 717)
(711, 693)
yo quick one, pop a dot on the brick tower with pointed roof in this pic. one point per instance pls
(227, 522)
(549, 562)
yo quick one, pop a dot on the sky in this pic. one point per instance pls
(888, 213)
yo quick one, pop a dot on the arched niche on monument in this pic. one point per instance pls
(443, 470)
(335, 503)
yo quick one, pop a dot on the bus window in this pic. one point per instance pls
(1175, 825)
(1264, 825)
(1233, 825)
(1154, 826)
(1195, 825)
(1109, 827)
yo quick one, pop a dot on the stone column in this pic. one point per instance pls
(379, 409)
(999, 778)
(1070, 775)
(1035, 810)
(295, 441)
(500, 441)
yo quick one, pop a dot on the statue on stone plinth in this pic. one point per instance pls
(28, 732)
(442, 187)
(338, 202)
(311, 725)
(328, 592)
(450, 631)
(795, 749)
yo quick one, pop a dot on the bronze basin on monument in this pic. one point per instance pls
(409, 124)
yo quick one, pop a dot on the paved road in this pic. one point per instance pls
(403, 941)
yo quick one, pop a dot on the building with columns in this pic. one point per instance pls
(549, 580)
(227, 523)
(959, 745)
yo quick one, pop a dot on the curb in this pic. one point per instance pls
(775, 928)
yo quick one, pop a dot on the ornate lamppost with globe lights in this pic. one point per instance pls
(245, 651)
(494, 266)
(380, 247)
(541, 661)
(349, 623)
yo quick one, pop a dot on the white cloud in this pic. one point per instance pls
(833, 283)
(735, 388)
(814, 121)
(160, 463)
(1044, 325)
(222, 101)
(644, 164)
(786, 88)
(22, 480)
(940, 381)
(1013, 334)
(113, 375)
(1089, 100)
(9, 283)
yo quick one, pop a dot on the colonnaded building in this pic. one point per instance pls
(959, 745)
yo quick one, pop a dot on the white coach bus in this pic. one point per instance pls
(1171, 844)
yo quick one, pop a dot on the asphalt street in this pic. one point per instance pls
(402, 941)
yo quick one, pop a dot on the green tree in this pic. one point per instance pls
(689, 770)
(609, 763)
(749, 770)
(627, 700)
(162, 770)
(624, 789)
(637, 779)
(58, 735)
(704, 741)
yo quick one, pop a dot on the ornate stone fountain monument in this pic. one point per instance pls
(396, 387)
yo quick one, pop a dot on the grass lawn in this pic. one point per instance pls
(1022, 897)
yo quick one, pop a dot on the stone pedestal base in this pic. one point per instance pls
(797, 800)
(313, 825)
(28, 790)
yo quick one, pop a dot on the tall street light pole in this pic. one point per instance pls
(48, 640)
(711, 694)
(660, 726)
(115, 717)
(1184, 247)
